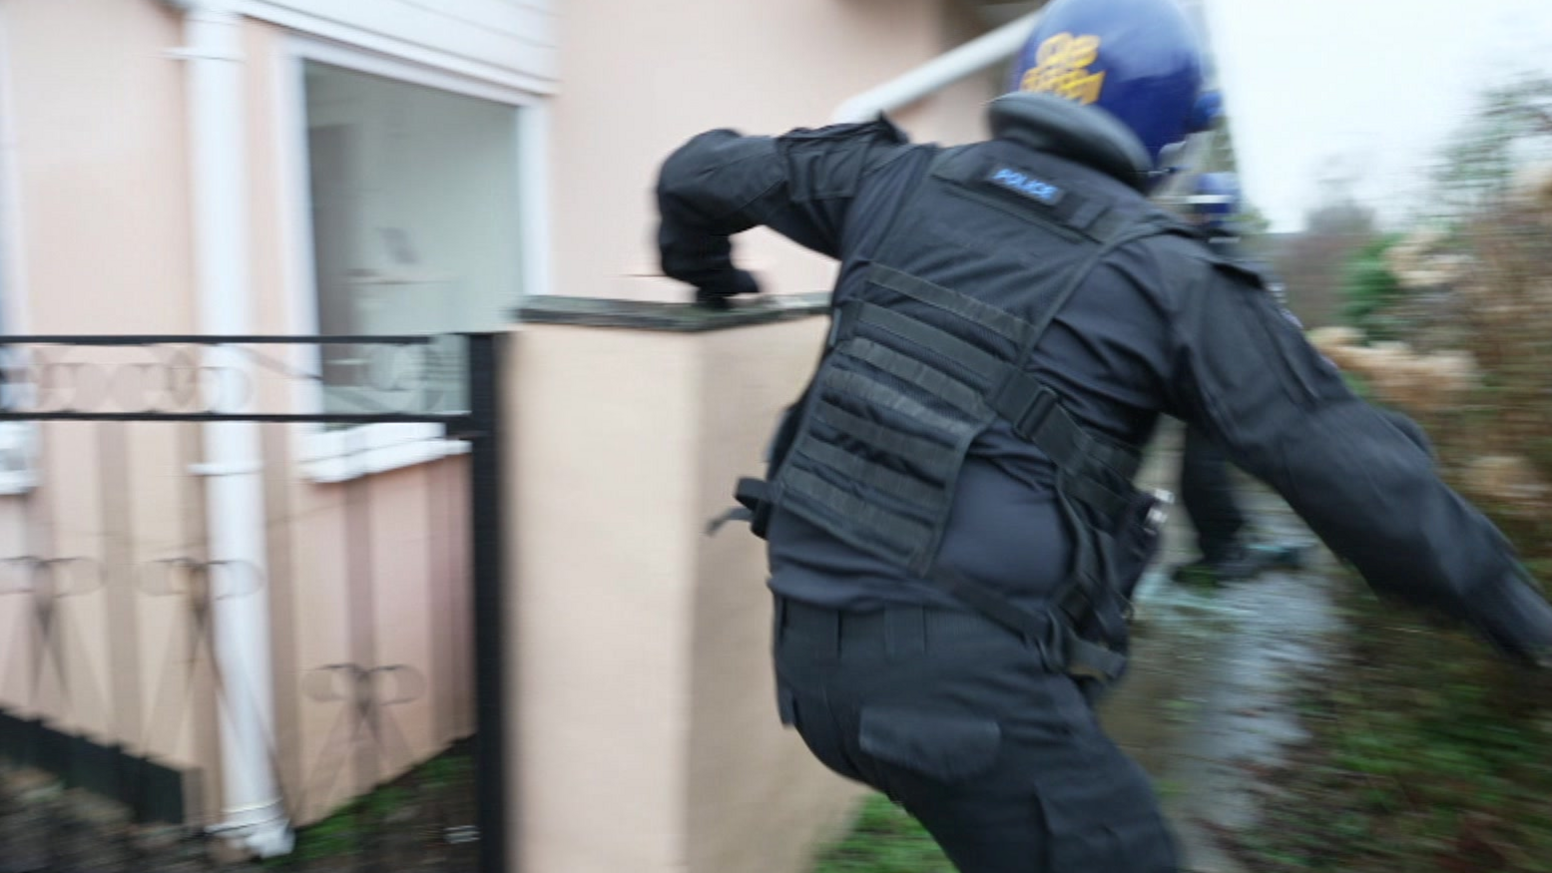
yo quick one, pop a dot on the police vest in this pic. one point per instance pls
(928, 349)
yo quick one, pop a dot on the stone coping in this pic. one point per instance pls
(672, 317)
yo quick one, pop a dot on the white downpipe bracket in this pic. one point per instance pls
(940, 72)
(252, 808)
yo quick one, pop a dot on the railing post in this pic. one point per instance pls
(487, 528)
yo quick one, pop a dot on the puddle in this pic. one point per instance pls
(1207, 705)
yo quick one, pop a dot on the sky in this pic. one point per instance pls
(1365, 89)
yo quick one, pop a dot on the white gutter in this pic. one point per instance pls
(940, 72)
(252, 808)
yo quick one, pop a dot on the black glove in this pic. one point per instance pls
(1517, 620)
(715, 294)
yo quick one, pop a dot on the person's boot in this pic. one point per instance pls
(1241, 562)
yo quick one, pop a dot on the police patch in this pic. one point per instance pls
(1025, 185)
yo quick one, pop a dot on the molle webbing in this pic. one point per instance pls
(898, 402)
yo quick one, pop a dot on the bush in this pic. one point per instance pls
(1372, 292)
(1456, 331)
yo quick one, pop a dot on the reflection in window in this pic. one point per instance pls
(415, 230)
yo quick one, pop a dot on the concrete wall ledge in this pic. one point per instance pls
(674, 317)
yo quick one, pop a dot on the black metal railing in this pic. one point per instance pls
(86, 726)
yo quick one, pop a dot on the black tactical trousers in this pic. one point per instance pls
(1207, 493)
(959, 721)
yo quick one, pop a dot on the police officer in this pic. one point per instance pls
(1207, 489)
(949, 510)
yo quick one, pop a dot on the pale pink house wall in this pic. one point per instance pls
(641, 78)
(97, 129)
(416, 521)
(101, 161)
(647, 699)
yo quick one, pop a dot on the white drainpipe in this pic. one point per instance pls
(940, 72)
(252, 808)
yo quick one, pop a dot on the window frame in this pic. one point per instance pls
(19, 438)
(339, 455)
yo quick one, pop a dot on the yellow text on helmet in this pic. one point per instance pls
(1062, 68)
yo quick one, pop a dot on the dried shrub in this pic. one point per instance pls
(1466, 349)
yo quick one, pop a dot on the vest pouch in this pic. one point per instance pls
(1122, 554)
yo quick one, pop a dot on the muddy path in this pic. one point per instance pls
(1208, 706)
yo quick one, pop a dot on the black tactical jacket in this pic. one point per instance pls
(1164, 325)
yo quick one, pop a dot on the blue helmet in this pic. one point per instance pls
(1214, 200)
(1139, 60)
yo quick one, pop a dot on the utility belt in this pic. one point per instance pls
(894, 631)
(1059, 633)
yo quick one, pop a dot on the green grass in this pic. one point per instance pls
(364, 820)
(884, 840)
(1426, 754)
(346, 830)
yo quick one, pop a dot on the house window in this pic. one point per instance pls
(419, 210)
(415, 229)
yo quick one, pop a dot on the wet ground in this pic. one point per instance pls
(413, 825)
(1208, 704)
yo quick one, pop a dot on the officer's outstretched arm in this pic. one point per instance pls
(800, 185)
(1247, 375)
